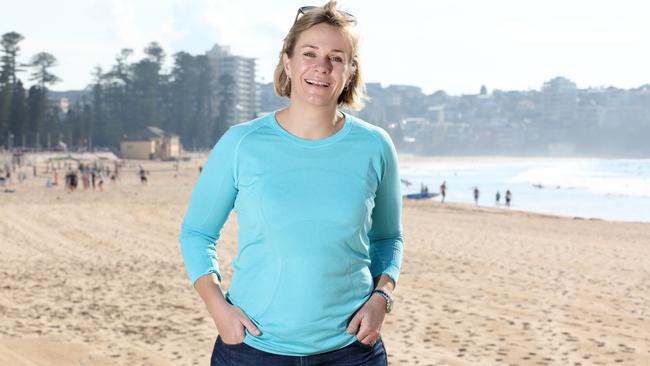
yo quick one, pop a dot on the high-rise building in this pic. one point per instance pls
(559, 101)
(236, 95)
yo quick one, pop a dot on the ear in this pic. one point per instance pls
(286, 62)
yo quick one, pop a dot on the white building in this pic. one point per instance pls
(236, 95)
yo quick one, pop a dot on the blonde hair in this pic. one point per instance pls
(354, 93)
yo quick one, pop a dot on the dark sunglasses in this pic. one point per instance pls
(305, 9)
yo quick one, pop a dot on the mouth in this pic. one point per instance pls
(318, 83)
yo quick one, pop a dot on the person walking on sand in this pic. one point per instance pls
(476, 195)
(116, 172)
(100, 181)
(314, 273)
(443, 191)
(143, 175)
(497, 199)
(508, 198)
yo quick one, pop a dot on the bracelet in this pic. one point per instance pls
(387, 297)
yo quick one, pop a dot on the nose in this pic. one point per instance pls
(323, 64)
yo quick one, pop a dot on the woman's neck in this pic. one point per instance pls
(310, 123)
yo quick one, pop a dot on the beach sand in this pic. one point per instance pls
(92, 278)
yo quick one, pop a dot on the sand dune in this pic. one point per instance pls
(94, 278)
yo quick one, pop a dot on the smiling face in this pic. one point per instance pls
(320, 66)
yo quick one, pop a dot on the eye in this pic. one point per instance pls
(336, 58)
(309, 54)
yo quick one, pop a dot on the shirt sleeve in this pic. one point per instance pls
(212, 200)
(385, 235)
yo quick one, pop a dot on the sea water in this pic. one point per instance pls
(611, 189)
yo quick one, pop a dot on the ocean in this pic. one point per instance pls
(610, 189)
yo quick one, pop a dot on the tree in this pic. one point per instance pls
(155, 53)
(182, 80)
(205, 113)
(119, 98)
(44, 120)
(6, 90)
(10, 50)
(8, 79)
(226, 103)
(73, 125)
(147, 88)
(97, 126)
(36, 116)
(17, 114)
(42, 62)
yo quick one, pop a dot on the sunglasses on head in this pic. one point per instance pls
(305, 9)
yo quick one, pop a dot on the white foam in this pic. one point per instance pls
(627, 179)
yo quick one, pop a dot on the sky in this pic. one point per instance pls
(451, 45)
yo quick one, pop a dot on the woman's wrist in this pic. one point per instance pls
(388, 299)
(209, 289)
(386, 284)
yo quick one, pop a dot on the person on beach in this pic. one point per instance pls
(424, 189)
(476, 195)
(443, 191)
(68, 182)
(508, 198)
(71, 181)
(116, 172)
(100, 181)
(143, 175)
(497, 199)
(317, 196)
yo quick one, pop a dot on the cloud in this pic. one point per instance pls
(249, 30)
(124, 23)
(435, 45)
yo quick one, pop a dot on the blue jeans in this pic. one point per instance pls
(356, 354)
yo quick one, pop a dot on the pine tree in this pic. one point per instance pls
(42, 121)
(17, 114)
(8, 80)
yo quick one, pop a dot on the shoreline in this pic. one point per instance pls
(460, 206)
(472, 207)
(406, 157)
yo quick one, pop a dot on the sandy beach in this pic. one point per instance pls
(90, 278)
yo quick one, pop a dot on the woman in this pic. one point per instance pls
(317, 198)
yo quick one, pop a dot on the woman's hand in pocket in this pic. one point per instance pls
(230, 320)
(232, 323)
(367, 322)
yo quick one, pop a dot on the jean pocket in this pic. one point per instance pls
(231, 346)
(364, 346)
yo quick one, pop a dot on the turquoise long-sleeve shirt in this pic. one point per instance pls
(318, 220)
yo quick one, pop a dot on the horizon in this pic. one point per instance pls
(504, 46)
